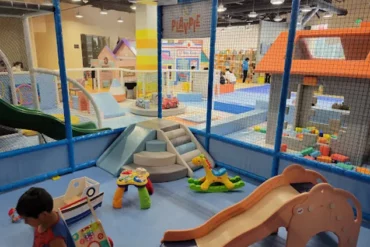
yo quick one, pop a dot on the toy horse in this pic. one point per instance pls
(213, 181)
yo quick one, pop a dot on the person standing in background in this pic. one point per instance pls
(245, 69)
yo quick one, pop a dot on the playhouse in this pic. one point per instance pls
(123, 56)
(324, 58)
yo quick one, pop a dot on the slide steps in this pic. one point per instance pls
(158, 162)
(182, 142)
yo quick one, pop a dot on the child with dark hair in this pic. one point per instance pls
(35, 206)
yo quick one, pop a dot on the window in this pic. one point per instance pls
(91, 47)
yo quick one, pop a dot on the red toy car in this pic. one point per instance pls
(169, 103)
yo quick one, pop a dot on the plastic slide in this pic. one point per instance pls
(294, 200)
(121, 151)
(108, 105)
(24, 118)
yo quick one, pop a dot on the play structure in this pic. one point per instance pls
(314, 66)
(164, 148)
(82, 193)
(214, 180)
(294, 200)
(139, 179)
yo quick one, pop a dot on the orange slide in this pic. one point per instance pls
(279, 202)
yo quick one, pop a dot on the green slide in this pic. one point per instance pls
(24, 118)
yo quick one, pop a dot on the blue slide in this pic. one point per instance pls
(108, 105)
(122, 150)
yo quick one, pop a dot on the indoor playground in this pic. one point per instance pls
(174, 123)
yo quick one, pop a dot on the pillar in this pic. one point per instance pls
(146, 37)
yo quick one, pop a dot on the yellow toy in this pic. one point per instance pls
(213, 181)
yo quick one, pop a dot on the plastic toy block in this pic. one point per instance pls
(313, 131)
(298, 130)
(321, 134)
(315, 154)
(345, 166)
(55, 178)
(307, 151)
(299, 136)
(285, 134)
(327, 136)
(263, 130)
(257, 128)
(333, 137)
(298, 155)
(325, 159)
(309, 157)
(363, 170)
(339, 157)
(284, 147)
(325, 150)
(323, 140)
(316, 132)
(306, 130)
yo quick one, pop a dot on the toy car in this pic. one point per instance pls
(169, 103)
(142, 103)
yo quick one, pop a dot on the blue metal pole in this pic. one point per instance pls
(159, 38)
(63, 81)
(285, 86)
(211, 71)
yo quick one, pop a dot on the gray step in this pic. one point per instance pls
(180, 140)
(147, 159)
(164, 173)
(172, 127)
(156, 146)
(175, 133)
(190, 155)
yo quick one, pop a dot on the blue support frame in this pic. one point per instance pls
(211, 71)
(63, 81)
(285, 86)
(159, 41)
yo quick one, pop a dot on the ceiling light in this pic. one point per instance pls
(252, 14)
(278, 18)
(133, 6)
(76, 1)
(277, 2)
(328, 15)
(305, 8)
(221, 8)
(103, 12)
(78, 15)
(120, 20)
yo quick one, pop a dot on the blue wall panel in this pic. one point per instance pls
(31, 164)
(251, 161)
(359, 189)
(91, 149)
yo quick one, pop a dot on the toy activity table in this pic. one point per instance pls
(138, 178)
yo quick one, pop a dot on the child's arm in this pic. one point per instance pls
(58, 242)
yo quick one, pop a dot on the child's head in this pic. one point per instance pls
(34, 206)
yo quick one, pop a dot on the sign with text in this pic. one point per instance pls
(191, 20)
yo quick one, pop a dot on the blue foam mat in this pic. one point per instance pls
(231, 108)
